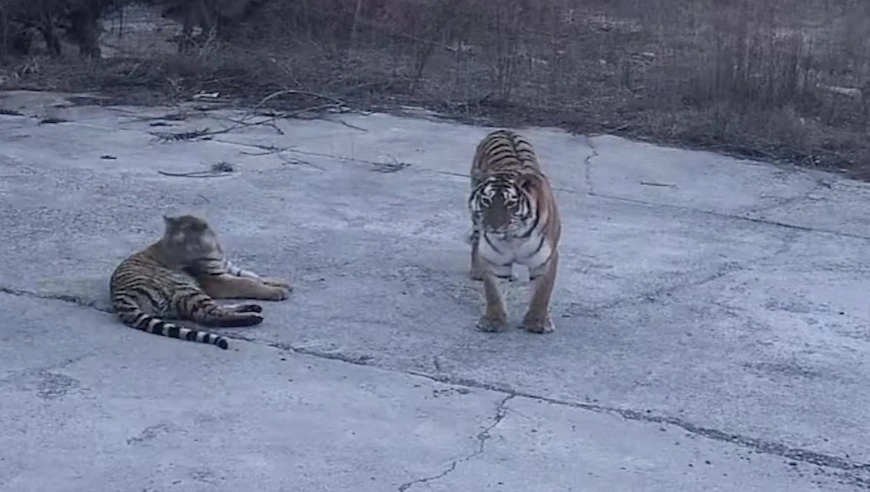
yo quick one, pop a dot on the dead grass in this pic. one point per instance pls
(781, 79)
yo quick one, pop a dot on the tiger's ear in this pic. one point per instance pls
(528, 182)
(169, 220)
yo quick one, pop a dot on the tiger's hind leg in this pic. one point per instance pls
(537, 318)
(230, 287)
(202, 309)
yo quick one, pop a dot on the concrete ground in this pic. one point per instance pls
(711, 315)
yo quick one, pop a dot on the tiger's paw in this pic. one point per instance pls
(476, 274)
(492, 325)
(274, 293)
(537, 324)
(279, 289)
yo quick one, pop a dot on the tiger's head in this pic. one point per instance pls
(504, 203)
(190, 242)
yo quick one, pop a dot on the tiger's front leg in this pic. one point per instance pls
(477, 264)
(225, 286)
(237, 271)
(537, 318)
(494, 318)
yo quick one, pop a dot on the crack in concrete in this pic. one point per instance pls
(721, 272)
(726, 269)
(71, 299)
(587, 165)
(755, 220)
(756, 444)
(482, 437)
(782, 202)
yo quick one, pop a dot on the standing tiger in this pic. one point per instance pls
(515, 220)
(179, 276)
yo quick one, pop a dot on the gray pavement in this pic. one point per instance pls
(711, 315)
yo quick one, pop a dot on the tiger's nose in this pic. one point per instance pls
(496, 218)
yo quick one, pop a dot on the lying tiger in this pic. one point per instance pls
(179, 277)
(515, 220)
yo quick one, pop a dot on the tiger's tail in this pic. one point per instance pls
(132, 315)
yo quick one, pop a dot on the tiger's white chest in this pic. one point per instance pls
(503, 251)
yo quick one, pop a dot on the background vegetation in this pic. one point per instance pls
(778, 79)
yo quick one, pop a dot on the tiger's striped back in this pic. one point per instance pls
(143, 291)
(503, 152)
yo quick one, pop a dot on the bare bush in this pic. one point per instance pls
(214, 18)
(79, 20)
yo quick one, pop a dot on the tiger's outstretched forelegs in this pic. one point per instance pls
(225, 286)
(537, 318)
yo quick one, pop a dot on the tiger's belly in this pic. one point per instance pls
(502, 252)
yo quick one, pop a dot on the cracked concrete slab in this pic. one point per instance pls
(589, 451)
(707, 296)
(99, 413)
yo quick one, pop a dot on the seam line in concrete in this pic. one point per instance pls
(54, 297)
(755, 220)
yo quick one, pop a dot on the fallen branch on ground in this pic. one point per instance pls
(195, 174)
(217, 170)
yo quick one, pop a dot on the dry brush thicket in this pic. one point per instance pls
(779, 78)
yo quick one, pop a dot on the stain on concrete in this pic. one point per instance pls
(52, 385)
(789, 369)
(149, 433)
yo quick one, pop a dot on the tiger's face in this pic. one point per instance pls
(501, 205)
(191, 241)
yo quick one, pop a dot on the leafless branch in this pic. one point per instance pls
(195, 174)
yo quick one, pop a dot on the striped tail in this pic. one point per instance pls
(132, 315)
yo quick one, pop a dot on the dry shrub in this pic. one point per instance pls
(780, 78)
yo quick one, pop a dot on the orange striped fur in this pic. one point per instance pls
(179, 277)
(515, 220)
